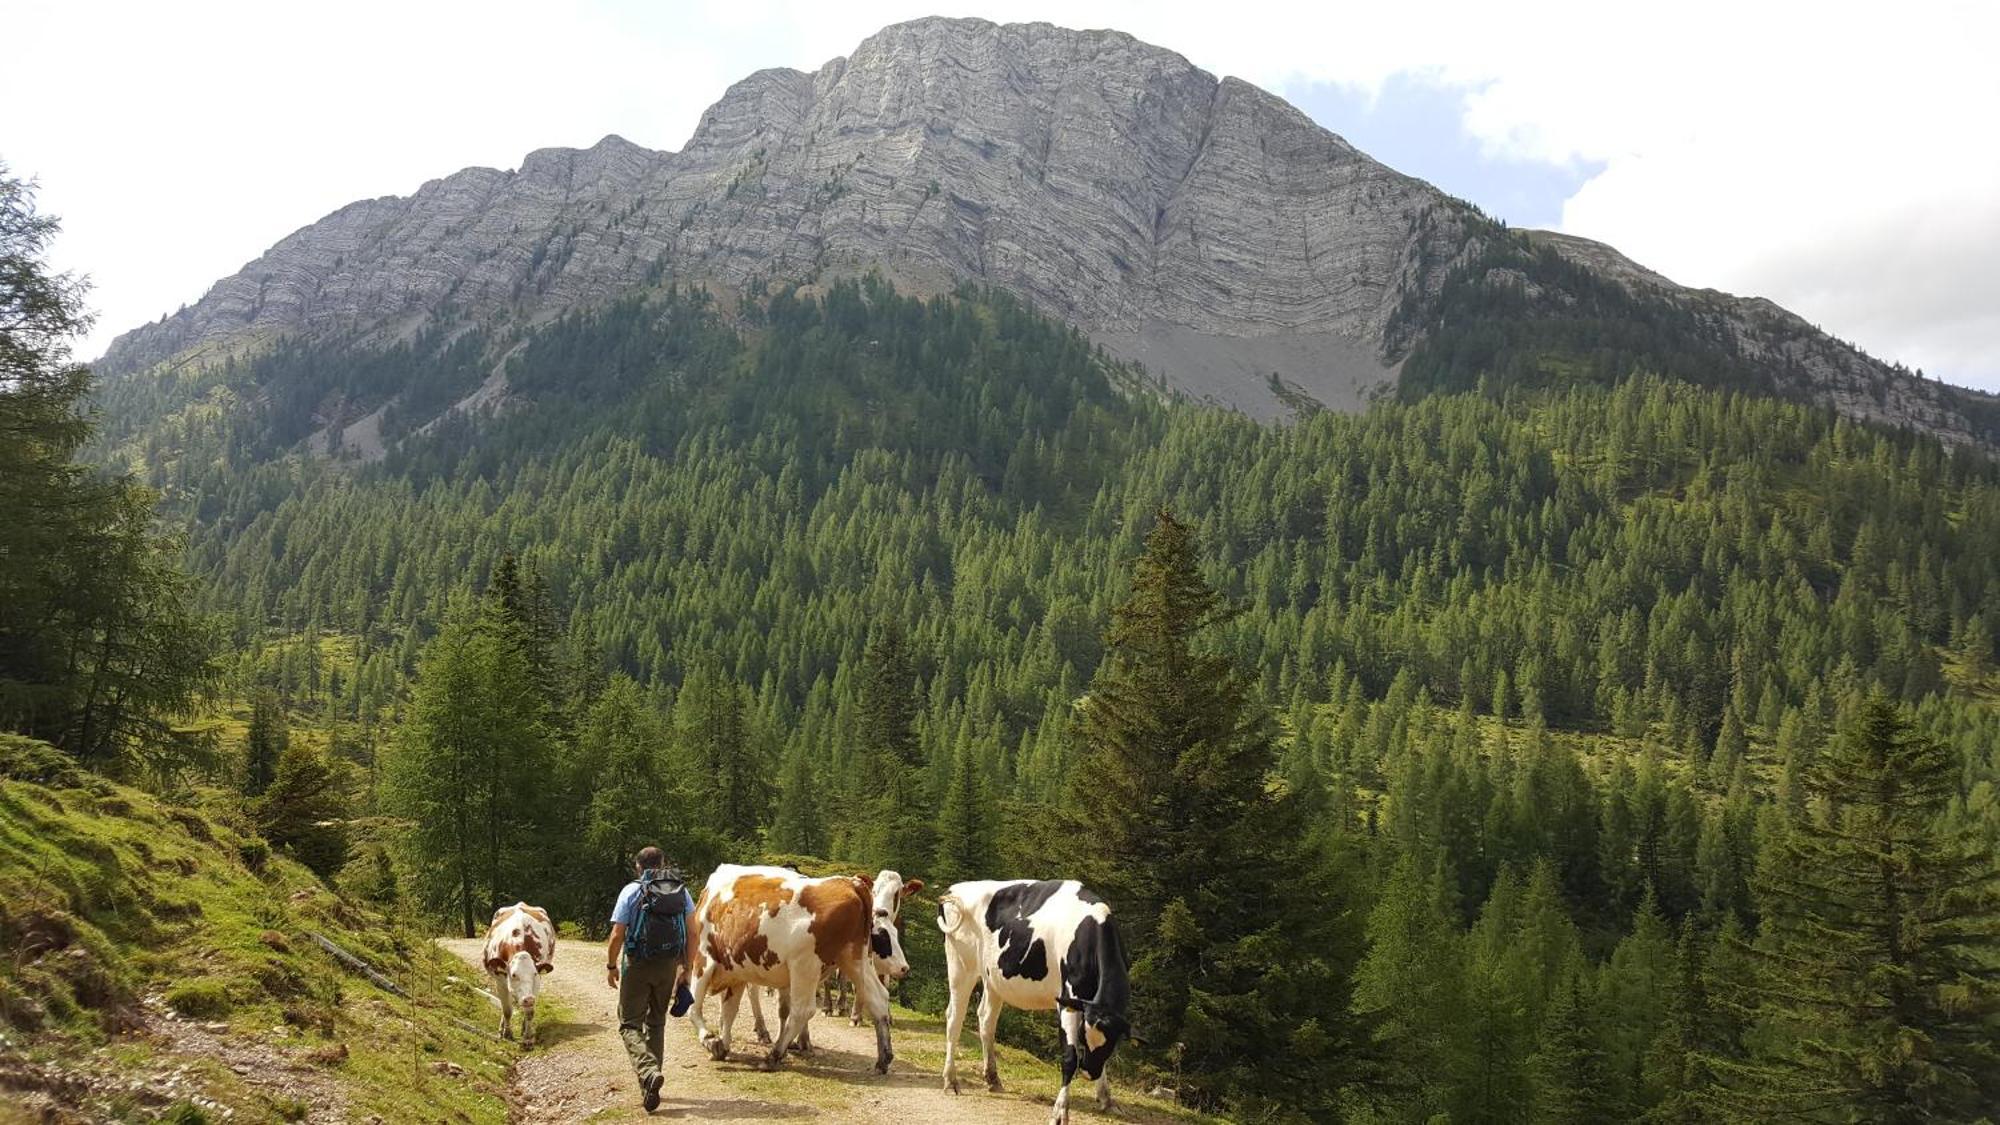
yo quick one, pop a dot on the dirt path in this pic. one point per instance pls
(578, 1070)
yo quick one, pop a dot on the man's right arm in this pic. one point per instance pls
(611, 949)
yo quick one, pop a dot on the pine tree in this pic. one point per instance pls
(1874, 977)
(1409, 987)
(720, 756)
(1570, 1081)
(796, 827)
(965, 830)
(894, 798)
(1171, 809)
(467, 770)
(265, 743)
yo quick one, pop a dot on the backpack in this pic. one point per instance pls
(661, 927)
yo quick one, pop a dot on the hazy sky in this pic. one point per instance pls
(1838, 159)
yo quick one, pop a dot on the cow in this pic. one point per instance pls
(520, 947)
(1036, 945)
(885, 933)
(774, 928)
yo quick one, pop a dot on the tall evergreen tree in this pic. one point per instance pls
(1875, 979)
(265, 743)
(796, 825)
(99, 647)
(895, 800)
(965, 829)
(1171, 810)
(466, 772)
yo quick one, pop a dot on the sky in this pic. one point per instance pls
(1838, 158)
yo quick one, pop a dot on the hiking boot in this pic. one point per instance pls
(650, 1092)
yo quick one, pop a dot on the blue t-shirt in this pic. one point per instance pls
(626, 911)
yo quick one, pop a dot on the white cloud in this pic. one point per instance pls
(1834, 158)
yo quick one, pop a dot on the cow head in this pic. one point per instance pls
(885, 949)
(524, 981)
(1103, 1027)
(885, 937)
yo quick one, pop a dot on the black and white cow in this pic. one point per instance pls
(1036, 945)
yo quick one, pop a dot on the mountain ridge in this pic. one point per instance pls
(1199, 225)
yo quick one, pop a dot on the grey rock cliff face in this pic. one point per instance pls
(1203, 227)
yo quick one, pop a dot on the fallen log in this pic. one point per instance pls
(358, 965)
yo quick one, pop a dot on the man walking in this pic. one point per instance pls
(649, 928)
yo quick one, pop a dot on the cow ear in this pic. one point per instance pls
(495, 965)
(549, 968)
(912, 887)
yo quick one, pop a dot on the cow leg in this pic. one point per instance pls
(732, 998)
(989, 1026)
(960, 978)
(718, 1048)
(872, 996)
(802, 1042)
(757, 1015)
(854, 1007)
(1104, 1102)
(503, 992)
(1072, 1034)
(797, 998)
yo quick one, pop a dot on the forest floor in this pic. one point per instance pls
(577, 1071)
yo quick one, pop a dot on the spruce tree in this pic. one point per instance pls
(1571, 1083)
(965, 830)
(796, 826)
(265, 742)
(894, 796)
(1875, 981)
(1171, 811)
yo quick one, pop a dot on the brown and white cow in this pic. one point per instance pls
(520, 947)
(885, 939)
(774, 928)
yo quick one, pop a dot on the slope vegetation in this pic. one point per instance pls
(161, 967)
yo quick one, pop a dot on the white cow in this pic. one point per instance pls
(520, 947)
(1036, 945)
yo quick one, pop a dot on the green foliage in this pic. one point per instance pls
(99, 649)
(1524, 685)
(304, 811)
(1876, 980)
(467, 769)
(200, 998)
(267, 741)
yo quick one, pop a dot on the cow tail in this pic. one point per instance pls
(951, 914)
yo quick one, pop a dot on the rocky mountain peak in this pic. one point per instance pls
(1201, 226)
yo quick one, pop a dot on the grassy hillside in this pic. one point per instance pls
(161, 970)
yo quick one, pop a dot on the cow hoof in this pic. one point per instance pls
(717, 1049)
(882, 1063)
(773, 1062)
(994, 1086)
(763, 1037)
(951, 1084)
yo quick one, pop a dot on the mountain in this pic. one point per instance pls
(1203, 228)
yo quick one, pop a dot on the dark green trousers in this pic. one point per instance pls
(645, 992)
